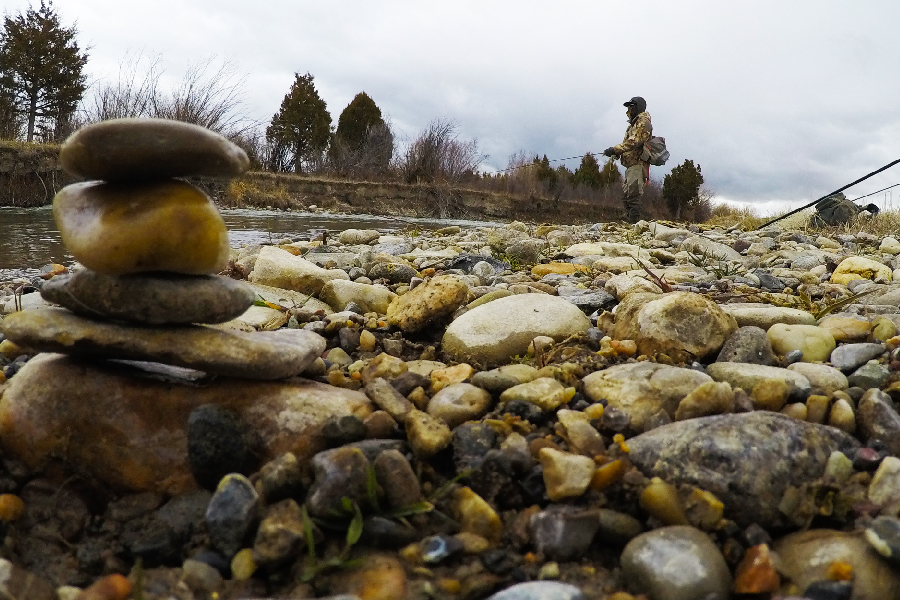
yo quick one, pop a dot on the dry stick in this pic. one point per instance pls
(662, 283)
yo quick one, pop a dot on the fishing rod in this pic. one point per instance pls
(876, 192)
(814, 202)
(531, 164)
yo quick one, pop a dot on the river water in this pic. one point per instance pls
(29, 238)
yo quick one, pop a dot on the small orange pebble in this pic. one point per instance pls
(382, 323)
(530, 558)
(2, 377)
(839, 571)
(624, 347)
(621, 596)
(451, 586)
(756, 573)
(292, 249)
(357, 375)
(607, 475)
(427, 272)
(11, 507)
(111, 587)
(620, 440)
(53, 271)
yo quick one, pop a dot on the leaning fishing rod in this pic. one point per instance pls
(814, 202)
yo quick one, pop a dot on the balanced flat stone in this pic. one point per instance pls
(161, 226)
(147, 149)
(157, 299)
(252, 355)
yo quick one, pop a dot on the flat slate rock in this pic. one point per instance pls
(159, 299)
(148, 149)
(256, 355)
(746, 460)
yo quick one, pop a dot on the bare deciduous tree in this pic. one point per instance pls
(437, 155)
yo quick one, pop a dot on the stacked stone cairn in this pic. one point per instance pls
(152, 245)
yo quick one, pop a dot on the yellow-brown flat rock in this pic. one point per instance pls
(122, 229)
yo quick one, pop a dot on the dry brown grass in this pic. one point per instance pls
(243, 193)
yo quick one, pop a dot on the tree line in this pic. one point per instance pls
(42, 98)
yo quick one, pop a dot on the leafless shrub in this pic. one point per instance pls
(437, 155)
(209, 94)
(134, 93)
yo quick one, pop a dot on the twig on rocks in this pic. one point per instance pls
(660, 281)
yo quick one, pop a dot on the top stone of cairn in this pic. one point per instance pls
(122, 150)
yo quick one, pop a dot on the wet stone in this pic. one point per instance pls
(458, 403)
(563, 533)
(747, 345)
(616, 527)
(878, 419)
(382, 532)
(344, 429)
(219, 443)
(721, 454)
(280, 536)
(503, 378)
(408, 381)
(870, 375)
(393, 272)
(158, 299)
(540, 590)
(676, 563)
(471, 442)
(428, 303)
(851, 356)
(147, 149)
(494, 332)
(348, 338)
(883, 534)
(388, 399)
(280, 478)
(437, 548)
(233, 514)
(807, 556)
(396, 476)
(339, 473)
(825, 589)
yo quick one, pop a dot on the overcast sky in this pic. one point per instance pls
(780, 102)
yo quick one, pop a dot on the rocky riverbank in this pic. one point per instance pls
(519, 412)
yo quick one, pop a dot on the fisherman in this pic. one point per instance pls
(637, 172)
(836, 209)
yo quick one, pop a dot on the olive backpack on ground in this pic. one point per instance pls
(837, 210)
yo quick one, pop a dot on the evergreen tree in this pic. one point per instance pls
(681, 188)
(588, 172)
(609, 174)
(363, 143)
(355, 122)
(41, 70)
(544, 172)
(301, 129)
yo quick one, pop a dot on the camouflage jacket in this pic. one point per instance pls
(637, 133)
